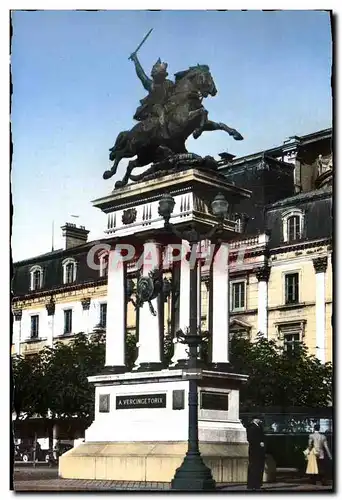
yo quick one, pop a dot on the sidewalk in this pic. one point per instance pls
(46, 480)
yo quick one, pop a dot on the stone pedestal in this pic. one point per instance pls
(141, 419)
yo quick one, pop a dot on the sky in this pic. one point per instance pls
(74, 90)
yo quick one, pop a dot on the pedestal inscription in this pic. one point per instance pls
(141, 401)
(214, 401)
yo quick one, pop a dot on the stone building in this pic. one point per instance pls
(280, 268)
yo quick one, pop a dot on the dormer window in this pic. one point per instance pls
(293, 228)
(293, 225)
(104, 258)
(69, 271)
(36, 278)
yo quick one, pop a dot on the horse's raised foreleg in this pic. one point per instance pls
(210, 126)
(118, 157)
(202, 114)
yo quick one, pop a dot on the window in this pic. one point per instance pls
(293, 228)
(239, 333)
(67, 321)
(238, 296)
(103, 315)
(34, 326)
(239, 329)
(291, 333)
(291, 340)
(69, 271)
(36, 282)
(293, 225)
(292, 288)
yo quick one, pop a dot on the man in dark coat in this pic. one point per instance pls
(256, 454)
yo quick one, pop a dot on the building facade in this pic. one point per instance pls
(280, 266)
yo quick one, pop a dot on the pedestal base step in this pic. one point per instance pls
(151, 461)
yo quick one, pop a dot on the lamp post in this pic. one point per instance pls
(193, 474)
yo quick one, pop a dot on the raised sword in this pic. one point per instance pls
(141, 43)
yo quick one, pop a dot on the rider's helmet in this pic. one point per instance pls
(159, 70)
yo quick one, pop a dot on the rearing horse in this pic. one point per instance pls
(159, 137)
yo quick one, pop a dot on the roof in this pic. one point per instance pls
(292, 142)
(324, 192)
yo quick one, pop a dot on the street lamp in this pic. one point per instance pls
(193, 474)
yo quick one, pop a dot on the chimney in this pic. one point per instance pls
(74, 236)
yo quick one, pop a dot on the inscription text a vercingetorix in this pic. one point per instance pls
(141, 401)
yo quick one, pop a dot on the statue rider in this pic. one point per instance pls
(159, 89)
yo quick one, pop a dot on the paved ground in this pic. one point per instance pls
(46, 479)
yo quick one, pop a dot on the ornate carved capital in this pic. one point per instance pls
(263, 273)
(320, 264)
(17, 313)
(86, 303)
(50, 307)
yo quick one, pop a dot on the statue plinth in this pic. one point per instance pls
(144, 424)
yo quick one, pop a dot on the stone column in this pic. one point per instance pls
(149, 345)
(220, 307)
(263, 274)
(320, 265)
(116, 312)
(17, 313)
(180, 355)
(85, 316)
(50, 309)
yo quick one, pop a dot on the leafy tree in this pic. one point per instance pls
(131, 352)
(168, 349)
(66, 371)
(27, 392)
(280, 377)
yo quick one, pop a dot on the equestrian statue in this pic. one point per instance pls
(166, 117)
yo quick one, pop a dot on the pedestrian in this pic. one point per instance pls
(256, 454)
(318, 447)
(38, 451)
(57, 450)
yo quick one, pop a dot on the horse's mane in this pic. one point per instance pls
(182, 74)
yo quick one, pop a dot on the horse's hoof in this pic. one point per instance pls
(107, 174)
(237, 136)
(119, 184)
(196, 134)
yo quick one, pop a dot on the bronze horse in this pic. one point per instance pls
(160, 137)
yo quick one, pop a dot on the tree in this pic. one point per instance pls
(280, 377)
(27, 394)
(66, 371)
